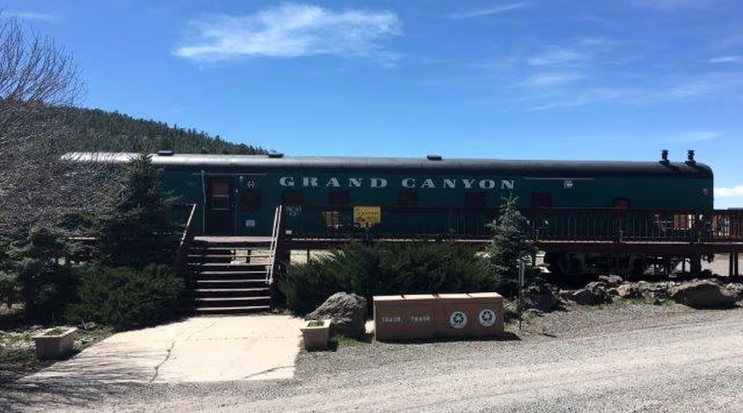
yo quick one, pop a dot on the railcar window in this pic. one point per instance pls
(332, 219)
(407, 198)
(682, 222)
(541, 200)
(336, 197)
(220, 196)
(292, 197)
(622, 203)
(474, 199)
(250, 200)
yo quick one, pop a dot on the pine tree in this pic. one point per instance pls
(42, 275)
(508, 245)
(140, 231)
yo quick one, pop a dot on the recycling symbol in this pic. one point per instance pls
(487, 317)
(251, 184)
(458, 319)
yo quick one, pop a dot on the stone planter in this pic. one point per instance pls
(316, 337)
(55, 346)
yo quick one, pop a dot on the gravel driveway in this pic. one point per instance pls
(622, 358)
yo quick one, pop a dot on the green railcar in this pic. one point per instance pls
(432, 196)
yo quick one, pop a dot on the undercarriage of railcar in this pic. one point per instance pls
(585, 263)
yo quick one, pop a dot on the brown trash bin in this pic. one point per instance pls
(405, 317)
(471, 315)
(424, 316)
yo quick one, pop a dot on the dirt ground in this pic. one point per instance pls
(616, 358)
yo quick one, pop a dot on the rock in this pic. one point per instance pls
(347, 313)
(627, 290)
(88, 326)
(653, 291)
(736, 290)
(510, 309)
(611, 280)
(542, 298)
(703, 294)
(533, 312)
(593, 294)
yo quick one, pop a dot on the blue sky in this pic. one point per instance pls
(557, 79)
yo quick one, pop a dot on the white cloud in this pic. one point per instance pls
(674, 4)
(729, 192)
(558, 56)
(550, 79)
(489, 11)
(697, 136)
(293, 30)
(45, 17)
(726, 59)
(676, 91)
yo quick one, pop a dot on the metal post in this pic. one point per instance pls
(522, 272)
(731, 265)
(696, 265)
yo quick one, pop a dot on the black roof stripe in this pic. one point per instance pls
(318, 164)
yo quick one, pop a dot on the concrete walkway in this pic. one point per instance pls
(201, 349)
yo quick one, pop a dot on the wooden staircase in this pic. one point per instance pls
(230, 275)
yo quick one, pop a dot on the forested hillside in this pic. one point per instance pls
(112, 131)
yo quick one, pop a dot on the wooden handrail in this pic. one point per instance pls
(276, 238)
(186, 240)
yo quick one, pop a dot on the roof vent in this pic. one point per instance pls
(275, 155)
(165, 153)
(664, 157)
(690, 157)
(434, 157)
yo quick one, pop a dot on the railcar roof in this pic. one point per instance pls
(318, 164)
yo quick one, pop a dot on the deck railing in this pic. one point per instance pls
(545, 224)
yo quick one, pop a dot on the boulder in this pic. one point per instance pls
(347, 313)
(628, 290)
(611, 280)
(593, 294)
(542, 298)
(653, 291)
(735, 289)
(703, 294)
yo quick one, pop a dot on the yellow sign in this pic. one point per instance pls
(366, 216)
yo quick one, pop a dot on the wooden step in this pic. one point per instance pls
(219, 299)
(232, 309)
(208, 266)
(229, 290)
(232, 291)
(232, 272)
(235, 281)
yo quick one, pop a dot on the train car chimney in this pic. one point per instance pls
(690, 157)
(664, 157)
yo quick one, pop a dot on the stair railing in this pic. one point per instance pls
(189, 232)
(276, 244)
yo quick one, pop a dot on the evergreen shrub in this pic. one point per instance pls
(384, 269)
(127, 298)
(508, 245)
(44, 281)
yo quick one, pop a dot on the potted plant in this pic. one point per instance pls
(55, 342)
(316, 334)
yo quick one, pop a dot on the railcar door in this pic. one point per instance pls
(220, 216)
